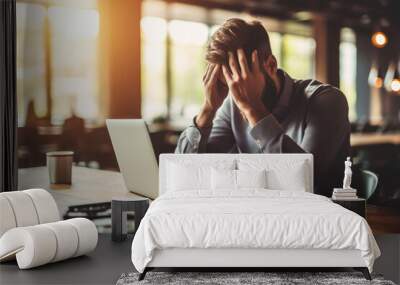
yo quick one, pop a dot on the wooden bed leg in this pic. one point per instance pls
(364, 271)
(143, 274)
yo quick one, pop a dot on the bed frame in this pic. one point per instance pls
(243, 259)
(249, 258)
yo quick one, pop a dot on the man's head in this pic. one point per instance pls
(236, 33)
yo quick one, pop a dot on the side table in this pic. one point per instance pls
(119, 209)
(357, 205)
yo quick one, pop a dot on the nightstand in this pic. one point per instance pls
(119, 210)
(357, 205)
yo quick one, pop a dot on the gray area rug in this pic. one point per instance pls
(233, 278)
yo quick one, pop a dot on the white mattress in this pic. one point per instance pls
(251, 219)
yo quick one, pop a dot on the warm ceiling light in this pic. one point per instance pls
(379, 39)
(392, 79)
(375, 78)
(395, 85)
(303, 16)
(378, 82)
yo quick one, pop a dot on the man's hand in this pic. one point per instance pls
(215, 94)
(246, 86)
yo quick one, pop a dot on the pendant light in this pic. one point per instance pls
(392, 79)
(379, 39)
(375, 77)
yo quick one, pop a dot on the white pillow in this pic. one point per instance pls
(237, 179)
(292, 179)
(251, 178)
(281, 175)
(182, 177)
(223, 179)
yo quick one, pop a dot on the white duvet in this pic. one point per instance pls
(253, 218)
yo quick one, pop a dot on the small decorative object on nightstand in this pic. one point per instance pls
(347, 196)
(119, 210)
(346, 193)
(357, 205)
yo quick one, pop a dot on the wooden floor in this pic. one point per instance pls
(383, 220)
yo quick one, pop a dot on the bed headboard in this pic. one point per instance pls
(274, 161)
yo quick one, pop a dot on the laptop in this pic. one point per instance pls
(135, 155)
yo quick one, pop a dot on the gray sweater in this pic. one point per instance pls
(310, 117)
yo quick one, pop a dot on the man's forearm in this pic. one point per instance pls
(205, 117)
(192, 141)
(194, 138)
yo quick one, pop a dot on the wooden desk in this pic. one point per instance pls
(371, 139)
(88, 186)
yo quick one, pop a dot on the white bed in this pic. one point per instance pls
(201, 226)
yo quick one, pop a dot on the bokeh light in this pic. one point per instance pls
(379, 39)
(395, 85)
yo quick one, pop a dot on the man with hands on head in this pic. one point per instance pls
(251, 106)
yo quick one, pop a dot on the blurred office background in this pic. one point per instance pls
(82, 61)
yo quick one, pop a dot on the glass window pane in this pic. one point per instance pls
(348, 62)
(188, 41)
(31, 61)
(213, 29)
(276, 42)
(298, 56)
(74, 70)
(154, 90)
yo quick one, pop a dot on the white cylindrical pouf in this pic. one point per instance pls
(67, 239)
(87, 234)
(45, 205)
(23, 207)
(40, 244)
(40, 247)
(7, 218)
(34, 246)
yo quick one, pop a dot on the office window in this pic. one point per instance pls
(298, 56)
(57, 61)
(74, 77)
(188, 41)
(31, 60)
(154, 87)
(276, 44)
(275, 39)
(348, 65)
